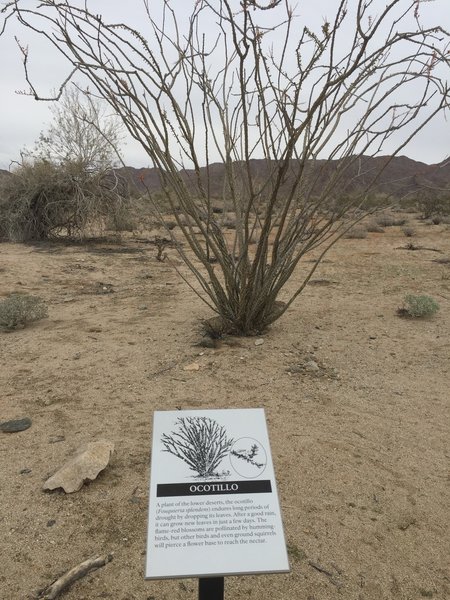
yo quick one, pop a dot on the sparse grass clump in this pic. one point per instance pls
(418, 307)
(20, 309)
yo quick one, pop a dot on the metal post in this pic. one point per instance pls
(211, 588)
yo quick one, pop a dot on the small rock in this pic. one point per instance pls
(87, 463)
(76, 356)
(15, 425)
(191, 367)
(311, 366)
(142, 307)
(24, 471)
(51, 522)
(406, 521)
(259, 342)
(54, 439)
(294, 369)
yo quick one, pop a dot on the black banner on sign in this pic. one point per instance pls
(213, 488)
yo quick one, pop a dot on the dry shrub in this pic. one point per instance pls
(434, 205)
(388, 220)
(409, 231)
(385, 220)
(373, 227)
(357, 233)
(41, 200)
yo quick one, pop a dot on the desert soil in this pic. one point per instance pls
(360, 444)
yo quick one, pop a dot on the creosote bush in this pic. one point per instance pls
(418, 307)
(20, 309)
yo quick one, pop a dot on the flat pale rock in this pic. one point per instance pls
(192, 367)
(84, 466)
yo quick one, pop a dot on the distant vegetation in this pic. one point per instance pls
(66, 184)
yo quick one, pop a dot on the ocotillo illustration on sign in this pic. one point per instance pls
(201, 443)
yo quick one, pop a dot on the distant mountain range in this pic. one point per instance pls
(401, 175)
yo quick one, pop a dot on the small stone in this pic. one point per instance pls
(76, 356)
(405, 521)
(259, 342)
(54, 439)
(142, 307)
(192, 367)
(51, 522)
(15, 425)
(24, 471)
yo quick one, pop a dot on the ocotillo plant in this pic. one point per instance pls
(325, 106)
(200, 442)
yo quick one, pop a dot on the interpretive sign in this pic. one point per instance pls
(213, 506)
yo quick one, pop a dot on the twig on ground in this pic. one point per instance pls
(62, 583)
(414, 247)
(321, 569)
(163, 370)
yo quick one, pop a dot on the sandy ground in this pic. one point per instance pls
(360, 446)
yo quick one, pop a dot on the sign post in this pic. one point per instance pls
(211, 588)
(213, 503)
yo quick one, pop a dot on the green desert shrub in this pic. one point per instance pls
(418, 306)
(20, 309)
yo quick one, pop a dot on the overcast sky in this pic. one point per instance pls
(22, 118)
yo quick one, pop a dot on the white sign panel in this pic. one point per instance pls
(214, 507)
